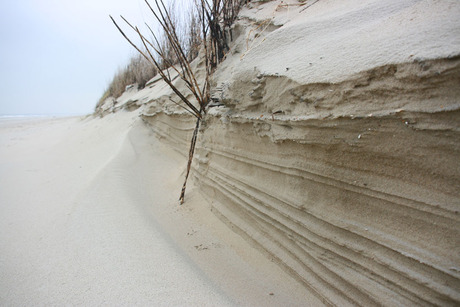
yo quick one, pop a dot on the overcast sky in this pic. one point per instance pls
(58, 56)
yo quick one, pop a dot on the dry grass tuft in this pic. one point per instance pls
(137, 71)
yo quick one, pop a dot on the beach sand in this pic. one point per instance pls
(331, 147)
(89, 216)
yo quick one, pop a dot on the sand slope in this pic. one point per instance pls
(89, 216)
(71, 231)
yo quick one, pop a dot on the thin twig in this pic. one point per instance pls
(153, 62)
(184, 108)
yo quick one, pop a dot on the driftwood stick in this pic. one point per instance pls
(190, 158)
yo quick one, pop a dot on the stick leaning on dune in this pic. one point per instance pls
(209, 16)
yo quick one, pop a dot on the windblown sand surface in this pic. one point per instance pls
(89, 216)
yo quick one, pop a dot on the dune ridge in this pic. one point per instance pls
(339, 161)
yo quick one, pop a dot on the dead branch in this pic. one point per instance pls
(215, 47)
(190, 158)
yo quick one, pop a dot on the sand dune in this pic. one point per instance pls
(332, 145)
(326, 173)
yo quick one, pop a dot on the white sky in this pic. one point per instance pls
(58, 56)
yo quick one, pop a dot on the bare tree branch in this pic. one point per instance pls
(215, 47)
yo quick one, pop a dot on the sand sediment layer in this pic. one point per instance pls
(352, 221)
(362, 209)
(426, 86)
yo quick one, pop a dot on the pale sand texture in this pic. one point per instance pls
(332, 144)
(89, 216)
(331, 40)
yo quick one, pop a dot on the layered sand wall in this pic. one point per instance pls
(360, 209)
(349, 179)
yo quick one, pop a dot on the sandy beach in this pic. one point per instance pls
(89, 216)
(324, 172)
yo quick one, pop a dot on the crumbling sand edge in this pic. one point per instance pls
(361, 208)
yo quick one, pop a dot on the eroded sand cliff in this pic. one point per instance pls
(333, 144)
